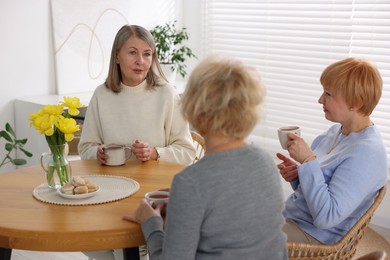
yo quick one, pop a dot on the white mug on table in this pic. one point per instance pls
(117, 154)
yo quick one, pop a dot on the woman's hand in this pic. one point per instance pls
(100, 155)
(144, 212)
(143, 152)
(298, 149)
(288, 168)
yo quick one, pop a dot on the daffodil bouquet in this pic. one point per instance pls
(58, 126)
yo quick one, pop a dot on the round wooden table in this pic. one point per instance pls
(29, 224)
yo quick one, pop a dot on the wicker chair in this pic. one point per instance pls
(345, 248)
(199, 145)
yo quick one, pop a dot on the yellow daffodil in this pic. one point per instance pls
(55, 122)
(54, 110)
(43, 122)
(68, 126)
(73, 104)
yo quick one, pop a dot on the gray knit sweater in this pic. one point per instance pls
(226, 206)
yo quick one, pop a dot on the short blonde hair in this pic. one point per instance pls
(357, 81)
(223, 97)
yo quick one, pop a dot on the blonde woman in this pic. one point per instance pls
(229, 204)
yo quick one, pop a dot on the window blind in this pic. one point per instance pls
(291, 43)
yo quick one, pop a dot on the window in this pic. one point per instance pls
(291, 42)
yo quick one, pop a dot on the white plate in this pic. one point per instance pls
(78, 196)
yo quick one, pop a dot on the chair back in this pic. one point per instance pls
(199, 146)
(346, 247)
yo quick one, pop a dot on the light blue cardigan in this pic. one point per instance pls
(335, 190)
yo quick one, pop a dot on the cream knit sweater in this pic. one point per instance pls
(152, 116)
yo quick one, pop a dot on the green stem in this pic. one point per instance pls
(5, 158)
(60, 165)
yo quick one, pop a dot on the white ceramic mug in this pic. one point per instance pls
(283, 134)
(156, 197)
(117, 154)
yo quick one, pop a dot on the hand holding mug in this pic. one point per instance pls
(144, 212)
(283, 134)
(298, 149)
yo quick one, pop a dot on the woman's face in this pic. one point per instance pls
(135, 60)
(335, 108)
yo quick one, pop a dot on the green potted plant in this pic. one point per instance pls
(170, 46)
(12, 143)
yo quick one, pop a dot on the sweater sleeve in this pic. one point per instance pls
(153, 232)
(182, 230)
(331, 198)
(180, 147)
(91, 136)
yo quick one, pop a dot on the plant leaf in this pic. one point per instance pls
(21, 141)
(27, 153)
(9, 147)
(6, 136)
(9, 129)
(18, 161)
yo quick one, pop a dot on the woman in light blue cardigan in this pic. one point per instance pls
(337, 179)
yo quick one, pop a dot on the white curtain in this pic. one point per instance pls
(291, 42)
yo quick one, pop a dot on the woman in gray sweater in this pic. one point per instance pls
(229, 204)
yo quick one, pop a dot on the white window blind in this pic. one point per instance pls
(291, 42)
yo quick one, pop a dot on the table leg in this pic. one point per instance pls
(131, 253)
(5, 253)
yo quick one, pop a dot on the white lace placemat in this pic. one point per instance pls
(112, 188)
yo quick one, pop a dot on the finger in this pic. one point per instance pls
(293, 136)
(280, 166)
(290, 168)
(144, 201)
(291, 177)
(159, 207)
(130, 218)
(137, 144)
(291, 172)
(283, 158)
(141, 144)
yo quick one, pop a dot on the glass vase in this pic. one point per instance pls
(56, 166)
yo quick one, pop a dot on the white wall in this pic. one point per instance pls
(27, 63)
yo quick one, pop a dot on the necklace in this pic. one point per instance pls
(336, 141)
